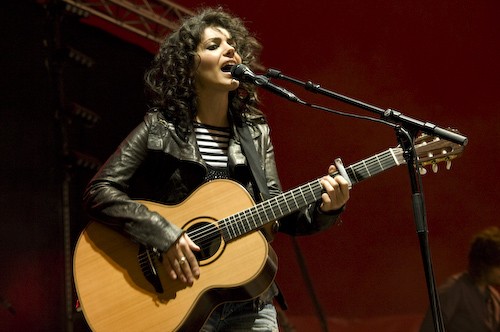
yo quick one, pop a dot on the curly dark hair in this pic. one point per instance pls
(484, 252)
(170, 79)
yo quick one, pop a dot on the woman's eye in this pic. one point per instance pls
(212, 47)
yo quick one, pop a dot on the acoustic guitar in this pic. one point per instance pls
(122, 286)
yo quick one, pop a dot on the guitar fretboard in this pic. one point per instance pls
(374, 165)
(286, 203)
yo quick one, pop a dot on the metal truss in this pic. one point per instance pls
(153, 19)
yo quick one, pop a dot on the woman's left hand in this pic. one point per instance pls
(336, 192)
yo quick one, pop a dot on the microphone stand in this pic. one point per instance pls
(406, 130)
(389, 114)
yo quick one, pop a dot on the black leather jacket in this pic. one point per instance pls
(154, 163)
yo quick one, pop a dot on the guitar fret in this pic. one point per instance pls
(393, 155)
(232, 227)
(352, 175)
(287, 206)
(308, 194)
(224, 226)
(371, 166)
(252, 218)
(367, 170)
(247, 222)
(237, 222)
(279, 207)
(378, 160)
(303, 197)
(225, 232)
(295, 199)
(265, 208)
(296, 204)
(357, 172)
(272, 209)
(258, 213)
(264, 211)
(241, 224)
(255, 225)
(268, 207)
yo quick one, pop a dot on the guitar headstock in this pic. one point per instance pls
(433, 150)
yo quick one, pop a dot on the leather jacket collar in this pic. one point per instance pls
(163, 136)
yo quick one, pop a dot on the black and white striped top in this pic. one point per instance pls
(213, 143)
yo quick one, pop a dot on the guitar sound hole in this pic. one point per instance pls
(207, 237)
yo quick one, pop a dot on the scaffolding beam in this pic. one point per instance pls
(152, 19)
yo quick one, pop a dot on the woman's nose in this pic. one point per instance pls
(230, 51)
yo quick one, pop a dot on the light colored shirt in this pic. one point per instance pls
(213, 143)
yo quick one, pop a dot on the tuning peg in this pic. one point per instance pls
(422, 170)
(435, 167)
(448, 164)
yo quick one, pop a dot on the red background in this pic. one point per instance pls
(436, 61)
(433, 60)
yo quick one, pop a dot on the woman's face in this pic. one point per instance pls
(216, 55)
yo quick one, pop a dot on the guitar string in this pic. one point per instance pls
(237, 221)
(242, 220)
(383, 161)
(364, 169)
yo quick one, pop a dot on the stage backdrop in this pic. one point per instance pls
(434, 61)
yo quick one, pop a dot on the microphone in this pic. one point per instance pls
(243, 73)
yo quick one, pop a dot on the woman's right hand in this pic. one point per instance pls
(180, 262)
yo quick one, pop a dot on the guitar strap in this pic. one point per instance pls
(259, 177)
(253, 159)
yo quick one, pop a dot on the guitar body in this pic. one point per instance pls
(115, 295)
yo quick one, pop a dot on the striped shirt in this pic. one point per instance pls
(212, 143)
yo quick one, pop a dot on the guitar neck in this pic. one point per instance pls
(374, 165)
(291, 201)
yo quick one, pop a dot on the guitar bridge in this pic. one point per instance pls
(146, 260)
